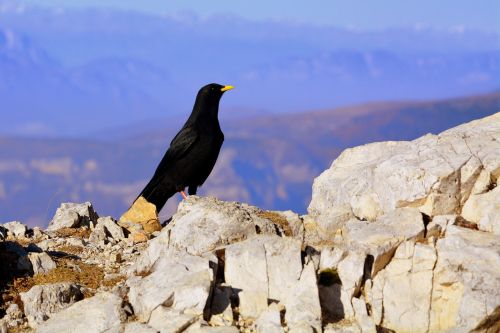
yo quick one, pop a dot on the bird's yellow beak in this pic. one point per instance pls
(226, 88)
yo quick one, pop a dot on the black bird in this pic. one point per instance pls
(193, 151)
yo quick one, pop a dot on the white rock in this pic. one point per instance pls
(98, 234)
(252, 303)
(284, 267)
(342, 327)
(41, 262)
(381, 238)
(170, 321)
(203, 328)
(182, 283)
(269, 321)
(111, 227)
(330, 257)
(437, 227)
(136, 327)
(364, 321)
(157, 247)
(484, 209)
(15, 228)
(271, 265)
(350, 271)
(373, 179)
(245, 267)
(405, 288)
(71, 215)
(294, 223)
(43, 300)
(302, 305)
(204, 224)
(100, 313)
(466, 278)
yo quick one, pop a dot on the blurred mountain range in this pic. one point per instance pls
(268, 160)
(75, 73)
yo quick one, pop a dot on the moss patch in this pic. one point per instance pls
(82, 232)
(277, 219)
(68, 270)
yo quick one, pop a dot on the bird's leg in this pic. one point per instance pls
(183, 194)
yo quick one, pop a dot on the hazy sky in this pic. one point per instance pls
(366, 14)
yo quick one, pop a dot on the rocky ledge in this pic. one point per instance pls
(400, 236)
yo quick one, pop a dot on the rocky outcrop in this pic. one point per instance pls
(401, 236)
(71, 215)
(436, 174)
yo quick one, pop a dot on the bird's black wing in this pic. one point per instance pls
(180, 145)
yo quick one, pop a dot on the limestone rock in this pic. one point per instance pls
(111, 227)
(204, 328)
(100, 313)
(41, 262)
(404, 288)
(170, 321)
(15, 228)
(434, 173)
(144, 213)
(466, 279)
(98, 234)
(181, 283)
(381, 237)
(269, 321)
(136, 327)
(302, 305)
(204, 224)
(41, 301)
(484, 210)
(72, 215)
(364, 321)
(270, 267)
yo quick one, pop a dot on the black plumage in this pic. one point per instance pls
(193, 151)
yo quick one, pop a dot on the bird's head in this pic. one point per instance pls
(209, 96)
(213, 91)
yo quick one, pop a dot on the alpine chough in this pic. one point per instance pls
(193, 151)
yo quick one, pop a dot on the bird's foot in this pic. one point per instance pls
(183, 194)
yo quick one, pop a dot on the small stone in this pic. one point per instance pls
(37, 233)
(111, 227)
(15, 228)
(98, 235)
(170, 321)
(184, 283)
(144, 213)
(43, 300)
(100, 313)
(73, 215)
(139, 237)
(41, 262)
